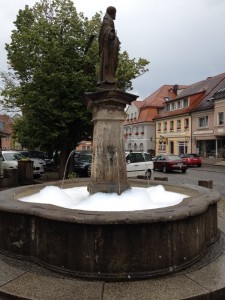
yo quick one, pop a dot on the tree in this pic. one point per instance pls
(53, 63)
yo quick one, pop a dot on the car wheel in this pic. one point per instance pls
(183, 171)
(148, 174)
(199, 166)
(164, 169)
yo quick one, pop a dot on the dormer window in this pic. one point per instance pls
(179, 104)
(173, 106)
(167, 107)
(185, 101)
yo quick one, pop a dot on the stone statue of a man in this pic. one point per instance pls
(108, 49)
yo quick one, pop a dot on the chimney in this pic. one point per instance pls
(175, 88)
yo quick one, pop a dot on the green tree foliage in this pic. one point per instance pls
(53, 58)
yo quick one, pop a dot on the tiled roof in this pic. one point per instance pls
(147, 115)
(209, 86)
(138, 104)
(200, 95)
(219, 94)
(157, 98)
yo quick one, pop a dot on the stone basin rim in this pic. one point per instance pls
(198, 201)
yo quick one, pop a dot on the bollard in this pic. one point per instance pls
(206, 183)
(25, 172)
(161, 178)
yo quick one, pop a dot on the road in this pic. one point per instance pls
(194, 174)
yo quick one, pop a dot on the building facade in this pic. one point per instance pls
(193, 121)
(139, 127)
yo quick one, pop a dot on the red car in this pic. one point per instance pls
(191, 159)
(168, 163)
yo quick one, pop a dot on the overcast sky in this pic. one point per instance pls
(183, 39)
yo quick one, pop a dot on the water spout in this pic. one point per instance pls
(67, 161)
(147, 173)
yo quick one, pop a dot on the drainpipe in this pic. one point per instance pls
(1, 170)
(191, 133)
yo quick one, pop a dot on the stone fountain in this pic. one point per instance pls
(109, 245)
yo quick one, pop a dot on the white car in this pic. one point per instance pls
(10, 158)
(139, 163)
(28, 155)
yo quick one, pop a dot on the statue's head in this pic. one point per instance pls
(111, 10)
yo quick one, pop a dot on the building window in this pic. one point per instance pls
(178, 124)
(141, 147)
(173, 106)
(186, 123)
(203, 122)
(220, 118)
(159, 126)
(179, 104)
(185, 102)
(171, 125)
(162, 146)
(167, 107)
(164, 126)
(1, 125)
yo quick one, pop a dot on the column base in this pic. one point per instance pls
(107, 187)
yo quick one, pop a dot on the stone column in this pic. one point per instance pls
(108, 166)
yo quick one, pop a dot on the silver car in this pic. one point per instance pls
(10, 158)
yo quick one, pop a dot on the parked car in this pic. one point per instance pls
(41, 155)
(29, 156)
(168, 163)
(82, 162)
(138, 164)
(10, 159)
(191, 159)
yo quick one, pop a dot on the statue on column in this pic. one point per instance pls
(108, 50)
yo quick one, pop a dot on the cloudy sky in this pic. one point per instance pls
(183, 39)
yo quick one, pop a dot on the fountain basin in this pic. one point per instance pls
(110, 245)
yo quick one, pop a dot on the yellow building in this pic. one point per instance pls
(174, 124)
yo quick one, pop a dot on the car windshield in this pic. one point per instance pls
(193, 155)
(173, 157)
(85, 157)
(13, 156)
(26, 154)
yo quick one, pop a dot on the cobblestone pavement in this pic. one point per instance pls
(194, 174)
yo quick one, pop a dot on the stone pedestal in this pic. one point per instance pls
(109, 166)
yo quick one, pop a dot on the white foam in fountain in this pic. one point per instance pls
(130, 200)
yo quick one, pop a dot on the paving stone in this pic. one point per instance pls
(172, 288)
(211, 276)
(31, 285)
(10, 269)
